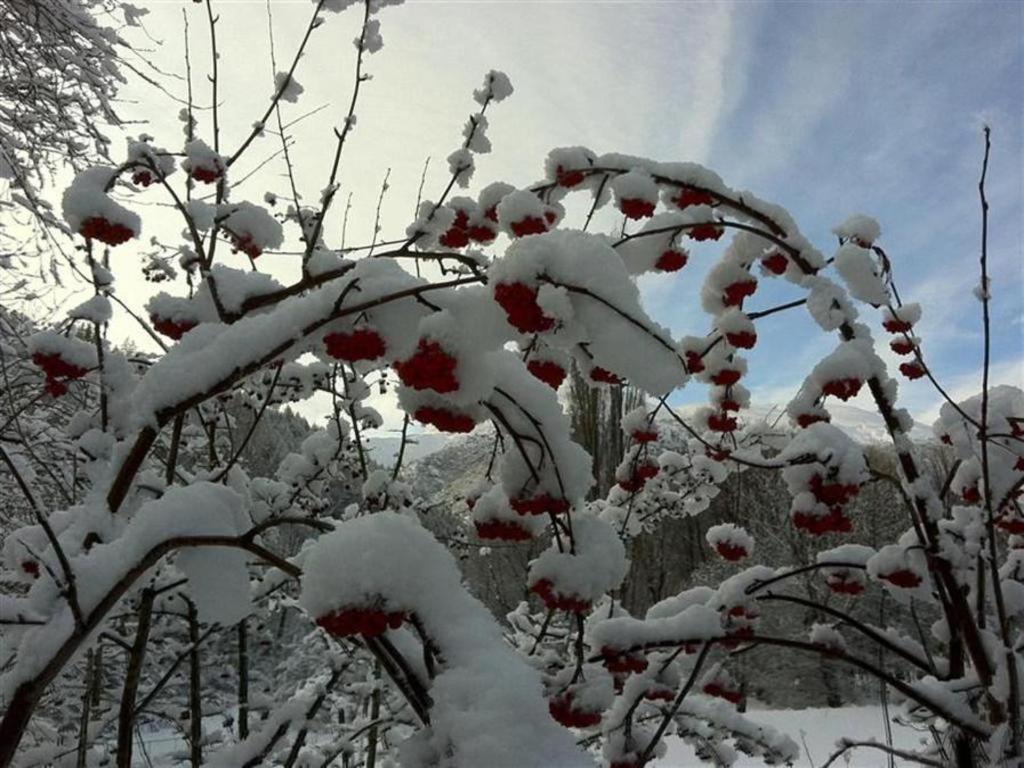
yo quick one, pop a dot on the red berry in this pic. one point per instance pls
(742, 339)
(55, 367)
(971, 494)
(911, 370)
(563, 710)
(1012, 525)
(539, 505)
(636, 207)
(455, 238)
(444, 420)
(603, 376)
(832, 494)
(729, 551)
(694, 362)
(111, 233)
(726, 377)
(360, 344)
(569, 178)
(688, 196)
(492, 214)
(502, 530)
(549, 372)
(246, 245)
(31, 567)
(531, 225)
(721, 692)
(520, 304)
(776, 263)
(734, 293)
(360, 621)
(721, 422)
(844, 389)
(806, 419)
(671, 260)
(701, 232)
(429, 368)
(644, 435)
(478, 233)
(206, 174)
(555, 601)
(818, 525)
(170, 328)
(897, 326)
(901, 346)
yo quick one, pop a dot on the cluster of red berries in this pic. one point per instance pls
(569, 177)
(776, 263)
(701, 232)
(648, 435)
(430, 367)
(844, 389)
(723, 691)
(694, 361)
(360, 344)
(636, 207)
(805, 420)
(912, 370)
(444, 420)
(672, 260)
(603, 376)
(244, 242)
(736, 292)
(208, 174)
(722, 422)
(1011, 523)
(622, 664)
(563, 709)
(551, 373)
(726, 377)
(143, 177)
(58, 372)
(369, 622)
(833, 521)
(555, 601)
(642, 472)
(540, 504)
(728, 550)
(902, 346)
(520, 304)
(742, 339)
(109, 232)
(502, 530)
(30, 568)
(462, 232)
(688, 196)
(172, 329)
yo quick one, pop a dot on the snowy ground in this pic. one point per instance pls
(816, 731)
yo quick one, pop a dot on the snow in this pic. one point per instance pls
(87, 198)
(816, 731)
(488, 706)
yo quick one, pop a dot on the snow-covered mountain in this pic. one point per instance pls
(862, 425)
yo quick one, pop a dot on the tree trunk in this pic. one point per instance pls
(243, 679)
(195, 703)
(133, 674)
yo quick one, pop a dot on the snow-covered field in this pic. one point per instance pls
(816, 731)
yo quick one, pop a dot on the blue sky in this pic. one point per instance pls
(827, 108)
